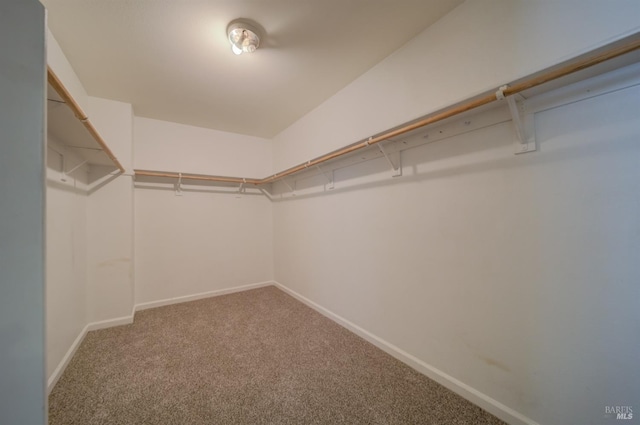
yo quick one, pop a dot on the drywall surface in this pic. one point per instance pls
(110, 251)
(22, 220)
(479, 46)
(114, 122)
(207, 239)
(200, 242)
(66, 254)
(516, 275)
(110, 218)
(57, 61)
(167, 146)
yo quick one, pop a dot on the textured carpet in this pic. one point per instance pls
(254, 357)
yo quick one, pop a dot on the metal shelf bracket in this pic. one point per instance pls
(292, 189)
(265, 193)
(522, 121)
(397, 169)
(330, 184)
(64, 173)
(76, 167)
(241, 189)
(179, 185)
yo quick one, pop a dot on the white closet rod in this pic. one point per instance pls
(499, 94)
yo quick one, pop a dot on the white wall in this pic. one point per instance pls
(110, 285)
(200, 242)
(22, 227)
(110, 251)
(457, 267)
(114, 121)
(479, 46)
(516, 275)
(166, 146)
(57, 61)
(66, 254)
(206, 239)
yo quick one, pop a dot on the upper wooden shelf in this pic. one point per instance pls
(70, 126)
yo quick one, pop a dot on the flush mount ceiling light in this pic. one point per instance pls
(243, 37)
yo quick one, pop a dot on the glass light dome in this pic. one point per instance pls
(243, 38)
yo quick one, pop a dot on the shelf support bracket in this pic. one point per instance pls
(522, 122)
(63, 165)
(397, 169)
(265, 193)
(179, 185)
(241, 188)
(330, 184)
(75, 168)
(292, 189)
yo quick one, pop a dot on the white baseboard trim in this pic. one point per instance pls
(103, 324)
(487, 403)
(194, 297)
(57, 373)
(127, 320)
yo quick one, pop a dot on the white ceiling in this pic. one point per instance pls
(171, 59)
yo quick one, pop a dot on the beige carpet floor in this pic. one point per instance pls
(254, 357)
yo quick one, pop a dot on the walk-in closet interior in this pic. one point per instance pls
(462, 211)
